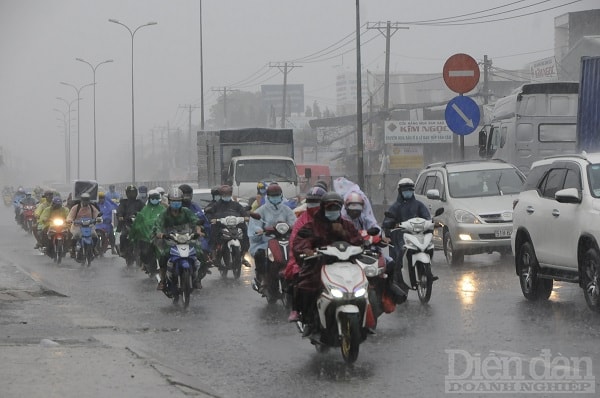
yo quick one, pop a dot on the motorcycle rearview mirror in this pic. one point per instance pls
(373, 231)
(439, 211)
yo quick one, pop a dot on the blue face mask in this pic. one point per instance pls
(407, 195)
(176, 204)
(226, 198)
(154, 201)
(332, 215)
(276, 200)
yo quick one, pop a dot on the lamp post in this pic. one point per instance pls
(64, 119)
(69, 104)
(132, 33)
(78, 90)
(94, 83)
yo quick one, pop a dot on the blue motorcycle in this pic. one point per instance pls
(182, 267)
(84, 247)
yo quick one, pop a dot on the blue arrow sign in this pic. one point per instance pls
(462, 115)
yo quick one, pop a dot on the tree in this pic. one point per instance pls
(308, 112)
(316, 110)
(243, 109)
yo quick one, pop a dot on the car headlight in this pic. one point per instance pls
(337, 293)
(466, 217)
(360, 292)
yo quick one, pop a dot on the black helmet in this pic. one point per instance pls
(274, 189)
(131, 192)
(332, 200)
(215, 191)
(85, 198)
(56, 202)
(187, 192)
(48, 195)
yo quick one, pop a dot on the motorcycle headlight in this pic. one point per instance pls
(337, 293)
(360, 292)
(58, 222)
(371, 270)
(466, 217)
(282, 228)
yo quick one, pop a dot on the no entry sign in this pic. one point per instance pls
(461, 73)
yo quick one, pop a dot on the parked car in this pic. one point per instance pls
(556, 229)
(477, 197)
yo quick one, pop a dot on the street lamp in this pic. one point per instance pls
(94, 83)
(64, 119)
(69, 104)
(78, 90)
(132, 33)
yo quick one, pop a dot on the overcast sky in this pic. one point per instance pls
(40, 39)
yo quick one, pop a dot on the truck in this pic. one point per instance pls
(534, 121)
(588, 110)
(243, 157)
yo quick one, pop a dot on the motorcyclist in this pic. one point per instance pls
(405, 207)
(27, 200)
(44, 203)
(345, 187)
(226, 206)
(126, 212)
(326, 227)
(261, 193)
(216, 196)
(54, 210)
(112, 194)
(20, 194)
(83, 209)
(313, 201)
(141, 232)
(175, 217)
(106, 207)
(143, 193)
(164, 200)
(188, 193)
(272, 212)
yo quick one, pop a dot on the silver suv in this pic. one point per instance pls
(556, 227)
(477, 197)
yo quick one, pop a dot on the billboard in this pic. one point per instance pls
(272, 97)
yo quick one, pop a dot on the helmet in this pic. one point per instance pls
(274, 189)
(186, 189)
(153, 194)
(85, 198)
(226, 190)
(131, 192)
(160, 190)
(332, 200)
(261, 186)
(214, 191)
(101, 195)
(354, 201)
(143, 189)
(315, 193)
(406, 184)
(48, 195)
(56, 201)
(20, 189)
(322, 184)
(175, 194)
(111, 187)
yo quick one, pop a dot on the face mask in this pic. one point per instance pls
(226, 198)
(275, 199)
(407, 195)
(332, 215)
(175, 205)
(154, 201)
(217, 198)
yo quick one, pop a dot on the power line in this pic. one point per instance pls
(471, 13)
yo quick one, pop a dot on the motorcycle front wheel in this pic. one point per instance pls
(236, 261)
(185, 286)
(225, 261)
(58, 251)
(424, 282)
(350, 338)
(89, 255)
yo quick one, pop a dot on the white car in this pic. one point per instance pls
(556, 227)
(477, 197)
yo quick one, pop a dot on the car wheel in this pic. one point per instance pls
(533, 288)
(591, 279)
(453, 257)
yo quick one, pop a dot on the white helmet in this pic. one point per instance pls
(406, 183)
(160, 190)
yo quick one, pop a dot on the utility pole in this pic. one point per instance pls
(360, 167)
(224, 91)
(386, 30)
(487, 64)
(190, 149)
(285, 72)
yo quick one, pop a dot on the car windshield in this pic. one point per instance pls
(469, 184)
(594, 177)
(266, 169)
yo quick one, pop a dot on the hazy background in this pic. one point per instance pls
(40, 39)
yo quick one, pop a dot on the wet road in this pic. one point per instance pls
(478, 334)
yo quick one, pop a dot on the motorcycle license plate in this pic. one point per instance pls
(503, 233)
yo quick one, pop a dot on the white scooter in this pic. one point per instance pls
(341, 306)
(417, 254)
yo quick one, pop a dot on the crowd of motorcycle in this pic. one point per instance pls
(323, 258)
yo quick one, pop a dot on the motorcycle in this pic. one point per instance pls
(57, 235)
(131, 252)
(28, 217)
(229, 250)
(84, 247)
(273, 285)
(417, 254)
(182, 266)
(340, 311)
(103, 230)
